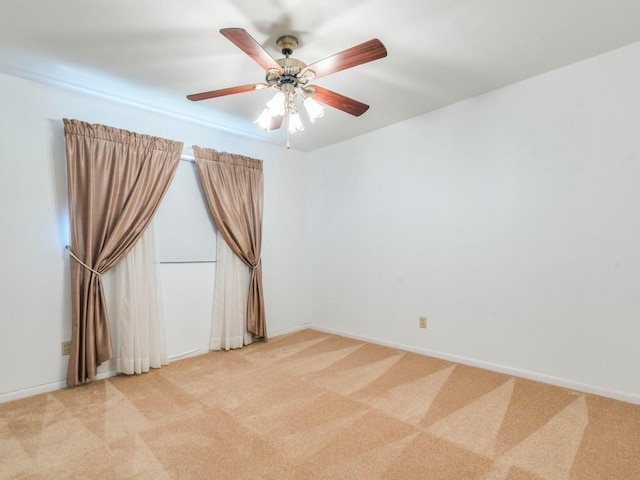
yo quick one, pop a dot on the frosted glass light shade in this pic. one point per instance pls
(294, 123)
(314, 109)
(264, 120)
(276, 104)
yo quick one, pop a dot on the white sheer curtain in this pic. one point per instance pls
(141, 342)
(229, 323)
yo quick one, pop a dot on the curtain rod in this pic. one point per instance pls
(187, 154)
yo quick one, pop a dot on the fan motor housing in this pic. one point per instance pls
(291, 68)
(289, 62)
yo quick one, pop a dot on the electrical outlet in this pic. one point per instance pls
(423, 322)
(65, 348)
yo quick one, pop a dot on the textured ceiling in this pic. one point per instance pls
(155, 52)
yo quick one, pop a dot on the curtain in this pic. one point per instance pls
(229, 325)
(141, 342)
(116, 180)
(233, 187)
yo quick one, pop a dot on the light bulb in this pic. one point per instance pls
(264, 120)
(314, 109)
(294, 123)
(276, 104)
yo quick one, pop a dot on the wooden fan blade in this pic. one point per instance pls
(352, 57)
(245, 42)
(226, 91)
(338, 101)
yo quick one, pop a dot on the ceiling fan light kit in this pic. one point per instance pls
(290, 77)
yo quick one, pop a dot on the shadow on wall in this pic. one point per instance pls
(61, 203)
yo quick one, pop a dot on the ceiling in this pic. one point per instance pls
(155, 52)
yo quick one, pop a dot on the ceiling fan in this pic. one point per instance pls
(292, 77)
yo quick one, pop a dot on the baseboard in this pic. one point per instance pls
(286, 331)
(44, 388)
(202, 351)
(192, 353)
(28, 392)
(539, 377)
(561, 382)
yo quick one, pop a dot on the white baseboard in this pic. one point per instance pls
(192, 353)
(561, 382)
(285, 331)
(28, 392)
(202, 351)
(539, 377)
(45, 388)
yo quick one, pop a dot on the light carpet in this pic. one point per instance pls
(311, 405)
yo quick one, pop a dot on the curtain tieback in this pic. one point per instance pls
(257, 264)
(81, 262)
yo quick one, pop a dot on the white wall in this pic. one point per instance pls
(510, 220)
(34, 279)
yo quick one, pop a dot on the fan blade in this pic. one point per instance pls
(226, 91)
(338, 101)
(352, 57)
(245, 42)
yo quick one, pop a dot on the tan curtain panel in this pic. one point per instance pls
(233, 186)
(116, 180)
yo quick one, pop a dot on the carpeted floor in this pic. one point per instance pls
(310, 405)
